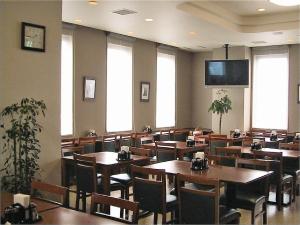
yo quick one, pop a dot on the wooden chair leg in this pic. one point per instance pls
(77, 200)
(164, 218)
(84, 201)
(279, 196)
(253, 217)
(265, 215)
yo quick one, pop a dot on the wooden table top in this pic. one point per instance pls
(64, 216)
(285, 153)
(109, 158)
(7, 199)
(223, 173)
(179, 145)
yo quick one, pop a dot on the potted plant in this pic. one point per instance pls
(221, 105)
(21, 146)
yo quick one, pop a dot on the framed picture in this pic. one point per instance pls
(89, 88)
(298, 93)
(145, 91)
(33, 37)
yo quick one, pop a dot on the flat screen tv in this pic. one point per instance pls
(227, 72)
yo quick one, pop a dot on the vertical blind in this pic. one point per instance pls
(270, 91)
(67, 85)
(119, 88)
(165, 90)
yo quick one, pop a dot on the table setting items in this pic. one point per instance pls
(273, 136)
(236, 133)
(22, 211)
(199, 162)
(256, 145)
(190, 142)
(124, 153)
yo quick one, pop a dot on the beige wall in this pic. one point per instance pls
(90, 60)
(34, 74)
(201, 96)
(294, 108)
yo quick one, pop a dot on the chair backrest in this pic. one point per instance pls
(198, 206)
(146, 139)
(99, 199)
(70, 150)
(141, 151)
(69, 142)
(215, 142)
(164, 135)
(290, 146)
(247, 141)
(260, 186)
(109, 143)
(88, 144)
(63, 192)
(165, 151)
(136, 142)
(228, 151)
(180, 134)
(276, 163)
(85, 173)
(150, 193)
(126, 139)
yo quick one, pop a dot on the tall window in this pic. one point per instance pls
(270, 91)
(165, 95)
(119, 88)
(67, 85)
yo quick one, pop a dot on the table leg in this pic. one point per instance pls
(64, 175)
(106, 185)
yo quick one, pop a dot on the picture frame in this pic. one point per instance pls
(145, 91)
(89, 88)
(298, 93)
(33, 37)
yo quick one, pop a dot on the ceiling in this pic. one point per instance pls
(194, 25)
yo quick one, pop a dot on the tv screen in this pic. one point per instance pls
(227, 72)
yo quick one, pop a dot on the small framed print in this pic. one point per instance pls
(33, 37)
(145, 91)
(89, 88)
(298, 93)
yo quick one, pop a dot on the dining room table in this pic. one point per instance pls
(51, 213)
(181, 146)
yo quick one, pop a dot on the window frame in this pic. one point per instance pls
(117, 40)
(70, 33)
(268, 51)
(169, 51)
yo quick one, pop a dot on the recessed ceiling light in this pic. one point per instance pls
(261, 10)
(258, 42)
(78, 20)
(93, 2)
(148, 20)
(173, 43)
(290, 40)
(192, 33)
(130, 32)
(286, 2)
(277, 33)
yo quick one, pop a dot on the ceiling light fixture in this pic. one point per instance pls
(286, 2)
(130, 33)
(192, 33)
(93, 2)
(78, 20)
(261, 10)
(148, 20)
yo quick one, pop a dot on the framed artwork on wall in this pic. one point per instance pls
(33, 37)
(145, 91)
(89, 88)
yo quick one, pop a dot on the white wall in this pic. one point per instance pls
(34, 74)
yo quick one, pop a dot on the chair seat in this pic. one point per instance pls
(171, 202)
(228, 215)
(114, 185)
(199, 187)
(287, 178)
(244, 200)
(123, 178)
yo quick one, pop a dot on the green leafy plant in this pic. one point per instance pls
(21, 146)
(221, 106)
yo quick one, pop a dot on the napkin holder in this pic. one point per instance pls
(236, 133)
(256, 146)
(199, 164)
(190, 143)
(123, 155)
(273, 137)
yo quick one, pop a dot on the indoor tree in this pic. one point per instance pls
(221, 105)
(20, 144)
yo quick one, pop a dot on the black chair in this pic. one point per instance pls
(198, 206)
(180, 134)
(88, 144)
(164, 135)
(282, 182)
(109, 143)
(87, 180)
(165, 151)
(228, 155)
(126, 139)
(253, 196)
(217, 141)
(151, 194)
(104, 200)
